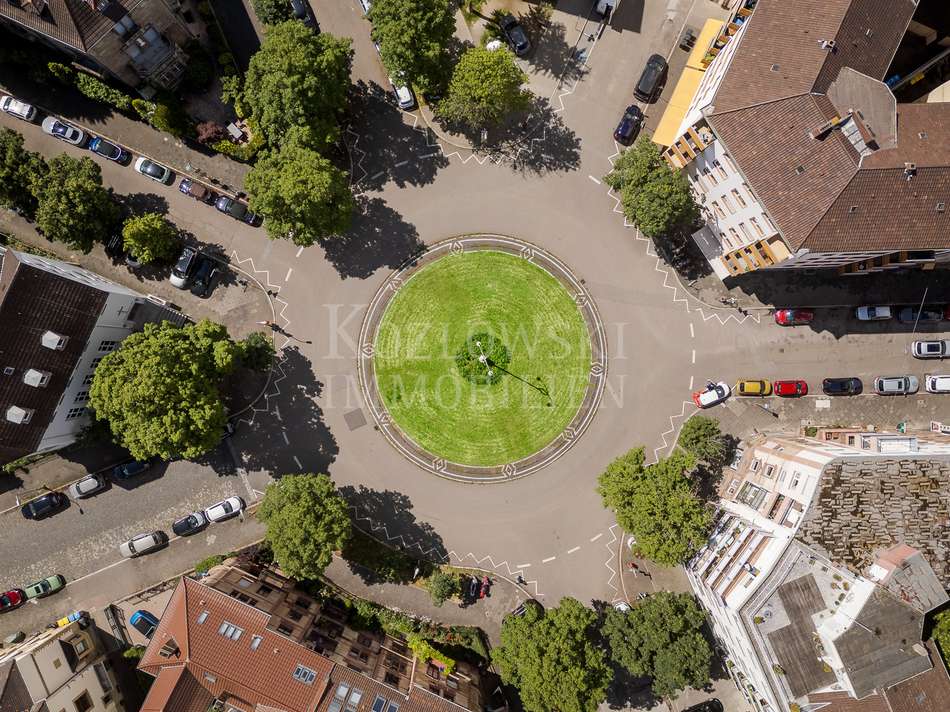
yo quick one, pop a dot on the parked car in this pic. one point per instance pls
(873, 313)
(17, 108)
(44, 505)
(143, 544)
(181, 272)
(842, 386)
(129, 470)
(155, 171)
(63, 131)
(712, 705)
(630, 124)
(87, 486)
(109, 150)
(13, 598)
(225, 509)
(46, 587)
(144, 622)
(909, 315)
(515, 35)
(754, 387)
(895, 385)
(794, 317)
(198, 191)
(714, 394)
(301, 11)
(404, 96)
(937, 384)
(931, 349)
(203, 275)
(790, 389)
(191, 524)
(651, 79)
(236, 209)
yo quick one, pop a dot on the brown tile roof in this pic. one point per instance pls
(843, 702)
(33, 301)
(933, 149)
(71, 22)
(928, 692)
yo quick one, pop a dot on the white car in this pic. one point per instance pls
(153, 170)
(937, 384)
(931, 349)
(873, 313)
(86, 487)
(143, 544)
(225, 509)
(17, 108)
(895, 385)
(404, 96)
(63, 131)
(713, 394)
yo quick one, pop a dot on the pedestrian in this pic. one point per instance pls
(521, 581)
(590, 37)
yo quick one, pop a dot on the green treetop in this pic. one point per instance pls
(413, 36)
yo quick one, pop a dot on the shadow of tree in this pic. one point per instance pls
(140, 203)
(379, 237)
(547, 145)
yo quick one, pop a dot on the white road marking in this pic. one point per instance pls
(523, 566)
(290, 271)
(430, 155)
(571, 551)
(286, 439)
(378, 175)
(300, 251)
(550, 558)
(277, 414)
(594, 179)
(694, 355)
(691, 382)
(401, 164)
(104, 568)
(297, 460)
(595, 538)
(692, 333)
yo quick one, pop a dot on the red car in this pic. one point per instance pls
(11, 599)
(794, 317)
(790, 389)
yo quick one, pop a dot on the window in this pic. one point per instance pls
(81, 397)
(379, 704)
(123, 26)
(718, 209)
(80, 647)
(754, 466)
(256, 642)
(735, 236)
(728, 204)
(202, 617)
(795, 478)
(450, 696)
(96, 361)
(393, 707)
(74, 413)
(284, 629)
(107, 345)
(745, 231)
(339, 696)
(733, 485)
(294, 615)
(751, 495)
(768, 223)
(758, 228)
(452, 682)
(83, 702)
(738, 197)
(769, 471)
(710, 176)
(304, 675)
(432, 671)
(354, 700)
(229, 630)
(210, 678)
(720, 171)
(245, 583)
(729, 162)
(264, 590)
(391, 679)
(87, 381)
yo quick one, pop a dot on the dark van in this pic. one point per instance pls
(196, 190)
(652, 79)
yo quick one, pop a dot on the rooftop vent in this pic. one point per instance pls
(869, 32)
(169, 649)
(774, 67)
(853, 209)
(922, 135)
(910, 170)
(800, 170)
(18, 415)
(52, 340)
(828, 45)
(37, 379)
(9, 371)
(941, 207)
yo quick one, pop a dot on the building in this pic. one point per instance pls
(827, 553)
(798, 152)
(247, 640)
(59, 321)
(138, 42)
(60, 669)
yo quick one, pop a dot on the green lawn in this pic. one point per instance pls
(429, 320)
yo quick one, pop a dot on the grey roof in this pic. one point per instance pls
(14, 697)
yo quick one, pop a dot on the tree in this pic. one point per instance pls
(656, 504)
(307, 520)
(160, 390)
(551, 657)
(303, 195)
(941, 634)
(73, 207)
(256, 351)
(654, 196)
(298, 79)
(442, 586)
(150, 238)
(702, 438)
(661, 638)
(486, 86)
(413, 37)
(19, 168)
(271, 12)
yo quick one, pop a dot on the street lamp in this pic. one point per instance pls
(483, 359)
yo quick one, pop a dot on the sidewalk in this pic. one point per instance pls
(486, 614)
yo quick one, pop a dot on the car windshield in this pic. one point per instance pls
(60, 129)
(107, 149)
(152, 169)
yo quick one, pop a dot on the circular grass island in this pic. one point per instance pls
(482, 357)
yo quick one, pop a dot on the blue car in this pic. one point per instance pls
(130, 469)
(144, 622)
(109, 150)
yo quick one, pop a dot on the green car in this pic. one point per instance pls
(46, 587)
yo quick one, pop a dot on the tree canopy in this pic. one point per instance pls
(303, 195)
(307, 520)
(270, 12)
(656, 503)
(298, 79)
(550, 656)
(486, 86)
(702, 438)
(654, 196)
(661, 637)
(73, 207)
(413, 37)
(150, 238)
(442, 586)
(19, 168)
(160, 390)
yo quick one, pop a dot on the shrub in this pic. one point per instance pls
(256, 351)
(200, 70)
(442, 587)
(425, 651)
(64, 74)
(134, 653)
(100, 91)
(240, 151)
(170, 118)
(227, 64)
(205, 565)
(143, 108)
(209, 132)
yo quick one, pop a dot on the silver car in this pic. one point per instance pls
(873, 313)
(63, 131)
(895, 385)
(86, 487)
(143, 544)
(931, 349)
(17, 108)
(937, 383)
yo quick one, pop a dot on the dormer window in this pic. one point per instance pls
(37, 379)
(52, 340)
(18, 415)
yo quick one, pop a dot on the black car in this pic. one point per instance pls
(201, 279)
(301, 11)
(515, 35)
(109, 150)
(192, 524)
(713, 705)
(842, 386)
(236, 209)
(909, 315)
(652, 79)
(130, 469)
(629, 125)
(44, 506)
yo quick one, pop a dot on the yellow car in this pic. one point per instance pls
(747, 387)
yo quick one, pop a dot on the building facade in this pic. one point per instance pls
(138, 42)
(59, 670)
(814, 603)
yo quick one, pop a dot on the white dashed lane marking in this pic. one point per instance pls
(290, 271)
(571, 551)
(378, 175)
(523, 566)
(692, 332)
(300, 251)
(550, 558)
(297, 460)
(286, 439)
(694, 355)
(595, 538)
(401, 164)
(594, 179)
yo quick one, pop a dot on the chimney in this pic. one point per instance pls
(910, 170)
(828, 45)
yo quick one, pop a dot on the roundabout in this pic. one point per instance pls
(482, 360)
